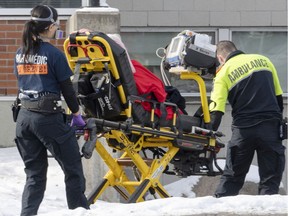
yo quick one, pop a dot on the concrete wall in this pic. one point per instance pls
(7, 126)
(201, 13)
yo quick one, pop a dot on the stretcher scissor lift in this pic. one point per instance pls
(144, 144)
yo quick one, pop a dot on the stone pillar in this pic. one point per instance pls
(107, 20)
(103, 19)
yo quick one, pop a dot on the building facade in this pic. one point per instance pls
(256, 26)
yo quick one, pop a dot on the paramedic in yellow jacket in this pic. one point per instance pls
(251, 85)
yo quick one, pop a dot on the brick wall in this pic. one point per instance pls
(11, 32)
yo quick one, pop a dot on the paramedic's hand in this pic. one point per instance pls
(78, 121)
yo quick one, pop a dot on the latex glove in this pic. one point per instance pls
(78, 121)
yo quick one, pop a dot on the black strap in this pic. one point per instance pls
(163, 112)
(77, 68)
(93, 34)
(76, 77)
(18, 101)
(72, 37)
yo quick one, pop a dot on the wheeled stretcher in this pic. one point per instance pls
(107, 92)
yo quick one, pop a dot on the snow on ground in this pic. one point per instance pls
(12, 179)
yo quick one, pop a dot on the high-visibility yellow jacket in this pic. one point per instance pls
(250, 83)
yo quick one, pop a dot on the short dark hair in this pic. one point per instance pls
(225, 47)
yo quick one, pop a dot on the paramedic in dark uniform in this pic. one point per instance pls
(250, 83)
(43, 74)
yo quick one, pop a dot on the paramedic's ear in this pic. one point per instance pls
(220, 59)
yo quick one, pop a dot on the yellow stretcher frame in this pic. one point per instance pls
(97, 60)
(121, 135)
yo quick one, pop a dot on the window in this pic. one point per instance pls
(142, 46)
(272, 44)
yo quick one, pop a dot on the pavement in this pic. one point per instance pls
(207, 185)
(227, 214)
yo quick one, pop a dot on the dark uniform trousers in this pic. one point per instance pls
(35, 133)
(262, 139)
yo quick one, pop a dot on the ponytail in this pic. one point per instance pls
(30, 39)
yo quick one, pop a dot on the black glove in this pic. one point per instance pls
(216, 117)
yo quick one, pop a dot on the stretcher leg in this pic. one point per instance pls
(115, 173)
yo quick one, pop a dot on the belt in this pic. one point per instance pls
(49, 104)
